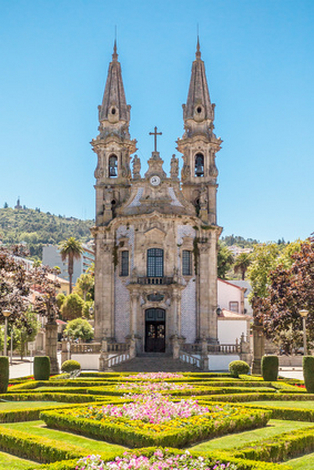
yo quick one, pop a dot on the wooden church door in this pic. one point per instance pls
(155, 330)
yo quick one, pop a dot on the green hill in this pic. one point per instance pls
(38, 228)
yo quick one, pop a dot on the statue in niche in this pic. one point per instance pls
(203, 199)
(136, 167)
(174, 168)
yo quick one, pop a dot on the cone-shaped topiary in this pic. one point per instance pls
(41, 368)
(308, 372)
(270, 365)
(4, 374)
(70, 366)
(238, 367)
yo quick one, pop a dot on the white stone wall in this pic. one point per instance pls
(188, 295)
(122, 309)
(230, 330)
(221, 362)
(121, 293)
(188, 311)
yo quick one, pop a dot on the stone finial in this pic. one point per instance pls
(115, 55)
(174, 167)
(198, 49)
(136, 167)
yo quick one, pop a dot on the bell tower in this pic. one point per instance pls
(113, 146)
(199, 145)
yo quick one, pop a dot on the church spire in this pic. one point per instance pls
(114, 107)
(198, 106)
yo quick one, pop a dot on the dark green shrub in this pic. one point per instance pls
(70, 366)
(308, 372)
(4, 374)
(238, 367)
(41, 368)
(270, 365)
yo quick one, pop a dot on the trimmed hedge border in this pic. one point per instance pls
(36, 448)
(213, 457)
(244, 398)
(280, 448)
(132, 437)
(60, 397)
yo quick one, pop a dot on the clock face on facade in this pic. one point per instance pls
(154, 180)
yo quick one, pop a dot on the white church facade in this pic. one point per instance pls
(156, 234)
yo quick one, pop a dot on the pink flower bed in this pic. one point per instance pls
(154, 409)
(156, 376)
(153, 386)
(158, 461)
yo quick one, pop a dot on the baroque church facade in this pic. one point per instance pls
(156, 235)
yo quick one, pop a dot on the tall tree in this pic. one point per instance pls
(70, 250)
(225, 260)
(241, 264)
(289, 290)
(84, 285)
(72, 307)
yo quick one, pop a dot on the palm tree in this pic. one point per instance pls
(242, 262)
(70, 249)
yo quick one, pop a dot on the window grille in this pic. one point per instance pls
(186, 263)
(124, 263)
(155, 262)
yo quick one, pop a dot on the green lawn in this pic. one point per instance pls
(21, 405)
(39, 428)
(9, 461)
(302, 463)
(274, 427)
(308, 405)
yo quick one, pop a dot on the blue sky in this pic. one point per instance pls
(259, 57)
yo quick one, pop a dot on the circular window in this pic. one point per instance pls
(199, 109)
(113, 111)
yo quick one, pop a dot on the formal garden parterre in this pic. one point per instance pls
(153, 421)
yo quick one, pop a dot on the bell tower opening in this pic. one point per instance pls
(199, 165)
(113, 166)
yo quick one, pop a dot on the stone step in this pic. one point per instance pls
(154, 363)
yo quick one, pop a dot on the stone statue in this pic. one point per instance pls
(174, 171)
(136, 167)
(203, 199)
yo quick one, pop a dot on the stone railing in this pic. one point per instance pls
(164, 281)
(237, 348)
(85, 348)
(223, 349)
(118, 359)
(189, 359)
(117, 347)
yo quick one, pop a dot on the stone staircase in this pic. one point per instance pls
(154, 362)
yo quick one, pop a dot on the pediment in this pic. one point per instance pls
(155, 234)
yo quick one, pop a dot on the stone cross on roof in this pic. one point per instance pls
(155, 133)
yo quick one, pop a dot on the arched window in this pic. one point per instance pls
(113, 166)
(155, 262)
(199, 164)
(186, 263)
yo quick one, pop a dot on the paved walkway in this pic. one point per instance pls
(24, 368)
